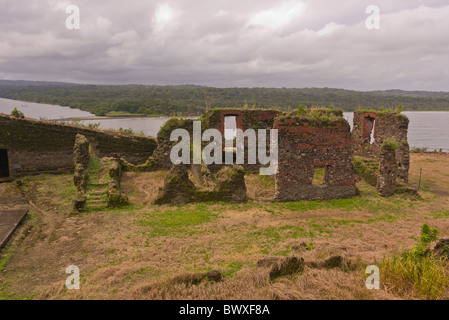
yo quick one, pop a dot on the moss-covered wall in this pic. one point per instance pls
(37, 146)
(388, 126)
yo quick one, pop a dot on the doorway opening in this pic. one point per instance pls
(230, 127)
(4, 165)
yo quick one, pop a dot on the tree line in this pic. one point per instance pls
(189, 100)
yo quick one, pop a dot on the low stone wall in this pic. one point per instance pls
(41, 146)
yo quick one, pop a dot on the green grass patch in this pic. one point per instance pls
(374, 204)
(94, 168)
(179, 220)
(232, 267)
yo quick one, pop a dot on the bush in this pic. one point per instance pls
(18, 114)
(418, 150)
(391, 144)
(130, 131)
(94, 125)
(417, 270)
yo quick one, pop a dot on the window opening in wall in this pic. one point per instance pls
(230, 134)
(320, 175)
(371, 123)
(230, 127)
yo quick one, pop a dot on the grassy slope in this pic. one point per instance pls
(136, 252)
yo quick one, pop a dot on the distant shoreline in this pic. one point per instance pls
(144, 116)
(106, 117)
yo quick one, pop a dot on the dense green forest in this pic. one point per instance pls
(189, 100)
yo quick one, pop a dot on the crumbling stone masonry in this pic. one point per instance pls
(115, 198)
(179, 189)
(35, 146)
(372, 128)
(388, 170)
(230, 185)
(80, 177)
(161, 156)
(211, 119)
(244, 119)
(307, 143)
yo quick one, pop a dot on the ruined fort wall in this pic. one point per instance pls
(37, 146)
(309, 144)
(386, 126)
(246, 118)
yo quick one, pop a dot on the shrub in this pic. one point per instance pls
(392, 144)
(418, 150)
(94, 125)
(130, 131)
(417, 270)
(18, 114)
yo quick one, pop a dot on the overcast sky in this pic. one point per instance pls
(229, 43)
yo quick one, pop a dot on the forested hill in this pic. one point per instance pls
(193, 100)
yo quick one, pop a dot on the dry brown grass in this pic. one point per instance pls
(143, 188)
(259, 187)
(137, 252)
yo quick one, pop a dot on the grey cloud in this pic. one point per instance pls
(211, 43)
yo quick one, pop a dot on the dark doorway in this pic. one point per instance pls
(4, 166)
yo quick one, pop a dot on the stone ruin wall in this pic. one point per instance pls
(245, 119)
(386, 126)
(307, 145)
(388, 171)
(42, 146)
(39, 146)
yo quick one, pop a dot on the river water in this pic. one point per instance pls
(427, 129)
